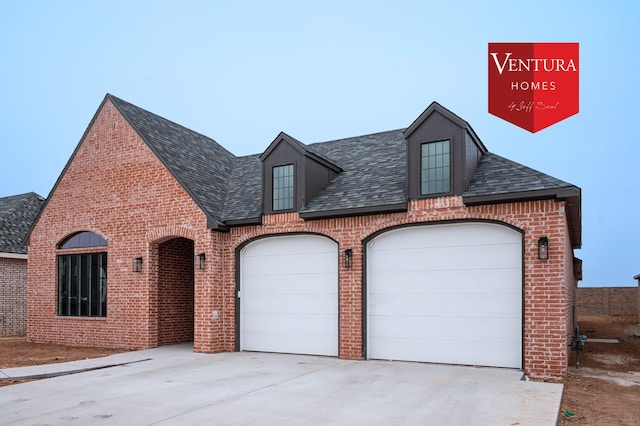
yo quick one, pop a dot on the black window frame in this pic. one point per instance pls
(82, 265)
(291, 196)
(434, 169)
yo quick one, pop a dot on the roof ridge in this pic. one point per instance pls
(359, 136)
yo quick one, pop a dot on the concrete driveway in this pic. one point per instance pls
(173, 385)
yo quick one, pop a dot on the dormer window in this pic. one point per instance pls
(292, 174)
(435, 169)
(283, 187)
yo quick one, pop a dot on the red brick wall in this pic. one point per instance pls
(114, 186)
(175, 291)
(13, 297)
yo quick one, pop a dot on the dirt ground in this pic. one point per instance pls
(605, 390)
(17, 352)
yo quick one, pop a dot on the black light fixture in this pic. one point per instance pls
(543, 248)
(137, 264)
(347, 258)
(201, 260)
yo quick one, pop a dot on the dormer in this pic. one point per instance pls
(292, 174)
(442, 154)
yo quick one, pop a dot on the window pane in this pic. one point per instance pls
(63, 283)
(283, 187)
(82, 284)
(83, 239)
(83, 297)
(435, 168)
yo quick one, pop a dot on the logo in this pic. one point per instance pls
(533, 85)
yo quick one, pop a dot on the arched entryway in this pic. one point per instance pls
(175, 291)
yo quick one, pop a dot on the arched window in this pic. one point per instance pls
(82, 277)
(83, 239)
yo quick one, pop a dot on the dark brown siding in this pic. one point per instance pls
(436, 128)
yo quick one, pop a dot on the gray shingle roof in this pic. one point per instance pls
(374, 173)
(17, 214)
(244, 198)
(199, 163)
(373, 176)
(496, 175)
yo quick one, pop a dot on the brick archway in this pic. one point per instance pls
(172, 282)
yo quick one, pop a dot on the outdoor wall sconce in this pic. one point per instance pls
(543, 248)
(201, 260)
(347, 258)
(137, 264)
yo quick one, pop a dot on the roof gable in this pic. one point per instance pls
(435, 107)
(197, 162)
(301, 148)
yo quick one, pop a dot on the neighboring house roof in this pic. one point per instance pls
(17, 214)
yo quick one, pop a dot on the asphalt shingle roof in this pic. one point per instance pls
(374, 172)
(373, 176)
(244, 198)
(17, 214)
(497, 175)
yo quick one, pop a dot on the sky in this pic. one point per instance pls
(242, 71)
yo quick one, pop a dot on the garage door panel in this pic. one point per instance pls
(478, 258)
(292, 323)
(288, 284)
(488, 354)
(286, 245)
(292, 263)
(464, 281)
(439, 328)
(291, 304)
(471, 305)
(435, 290)
(288, 342)
(441, 236)
(289, 295)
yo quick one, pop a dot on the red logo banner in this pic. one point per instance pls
(533, 85)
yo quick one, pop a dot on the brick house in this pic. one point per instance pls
(412, 244)
(17, 214)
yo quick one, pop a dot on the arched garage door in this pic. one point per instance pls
(289, 295)
(449, 293)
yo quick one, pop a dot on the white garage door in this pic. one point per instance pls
(289, 295)
(446, 293)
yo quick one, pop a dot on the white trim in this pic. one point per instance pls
(13, 255)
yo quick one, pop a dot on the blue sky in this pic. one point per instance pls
(242, 71)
